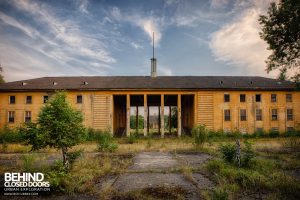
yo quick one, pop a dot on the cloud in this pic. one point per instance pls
(218, 3)
(148, 24)
(136, 45)
(164, 71)
(83, 4)
(238, 42)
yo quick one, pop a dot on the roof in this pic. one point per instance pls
(146, 82)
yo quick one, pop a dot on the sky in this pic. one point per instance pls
(114, 38)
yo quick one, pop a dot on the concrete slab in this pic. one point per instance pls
(153, 161)
(137, 181)
(194, 159)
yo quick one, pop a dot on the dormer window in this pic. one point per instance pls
(85, 83)
(54, 83)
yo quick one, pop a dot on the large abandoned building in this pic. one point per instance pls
(247, 104)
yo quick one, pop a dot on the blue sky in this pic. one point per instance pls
(113, 37)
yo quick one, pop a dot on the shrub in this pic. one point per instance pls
(106, 143)
(57, 175)
(273, 134)
(247, 154)
(28, 162)
(228, 152)
(74, 155)
(219, 194)
(132, 138)
(199, 134)
(8, 135)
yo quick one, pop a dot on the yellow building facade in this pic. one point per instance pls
(222, 104)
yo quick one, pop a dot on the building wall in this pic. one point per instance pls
(211, 108)
(97, 108)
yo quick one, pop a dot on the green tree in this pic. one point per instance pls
(1, 75)
(281, 30)
(58, 126)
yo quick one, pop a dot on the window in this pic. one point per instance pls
(289, 98)
(27, 116)
(242, 98)
(226, 98)
(11, 116)
(227, 115)
(289, 115)
(290, 129)
(275, 129)
(28, 99)
(274, 114)
(45, 99)
(79, 98)
(273, 97)
(12, 99)
(259, 130)
(243, 115)
(258, 97)
(258, 113)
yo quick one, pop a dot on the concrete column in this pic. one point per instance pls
(179, 115)
(137, 119)
(159, 120)
(128, 115)
(145, 115)
(111, 116)
(170, 112)
(162, 115)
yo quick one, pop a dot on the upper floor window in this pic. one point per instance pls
(46, 98)
(289, 98)
(243, 115)
(27, 116)
(258, 97)
(28, 99)
(12, 99)
(274, 114)
(227, 115)
(258, 113)
(11, 116)
(242, 98)
(226, 98)
(273, 97)
(79, 99)
(289, 115)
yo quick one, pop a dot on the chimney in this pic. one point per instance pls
(153, 63)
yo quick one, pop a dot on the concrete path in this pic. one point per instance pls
(157, 169)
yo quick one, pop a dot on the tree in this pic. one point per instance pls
(1, 76)
(58, 126)
(281, 31)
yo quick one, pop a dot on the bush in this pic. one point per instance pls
(106, 142)
(228, 152)
(199, 134)
(219, 194)
(132, 138)
(8, 135)
(74, 155)
(273, 134)
(92, 134)
(57, 175)
(247, 154)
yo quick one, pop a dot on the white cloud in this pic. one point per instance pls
(238, 42)
(218, 3)
(164, 71)
(136, 45)
(83, 4)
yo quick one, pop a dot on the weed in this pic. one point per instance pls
(199, 134)
(28, 161)
(106, 143)
(228, 152)
(219, 194)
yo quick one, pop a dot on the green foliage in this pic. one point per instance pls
(273, 134)
(247, 154)
(132, 138)
(199, 134)
(106, 143)
(56, 176)
(281, 30)
(28, 162)
(1, 76)
(92, 134)
(8, 135)
(74, 155)
(219, 194)
(228, 152)
(133, 122)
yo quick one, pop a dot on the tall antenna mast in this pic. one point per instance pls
(153, 61)
(153, 44)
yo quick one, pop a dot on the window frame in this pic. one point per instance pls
(289, 97)
(227, 117)
(273, 98)
(226, 98)
(260, 98)
(244, 97)
(244, 116)
(79, 95)
(260, 116)
(26, 117)
(44, 99)
(274, 117)
(9, 99)
(9, 116)
(289, 116)
(26, 100)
